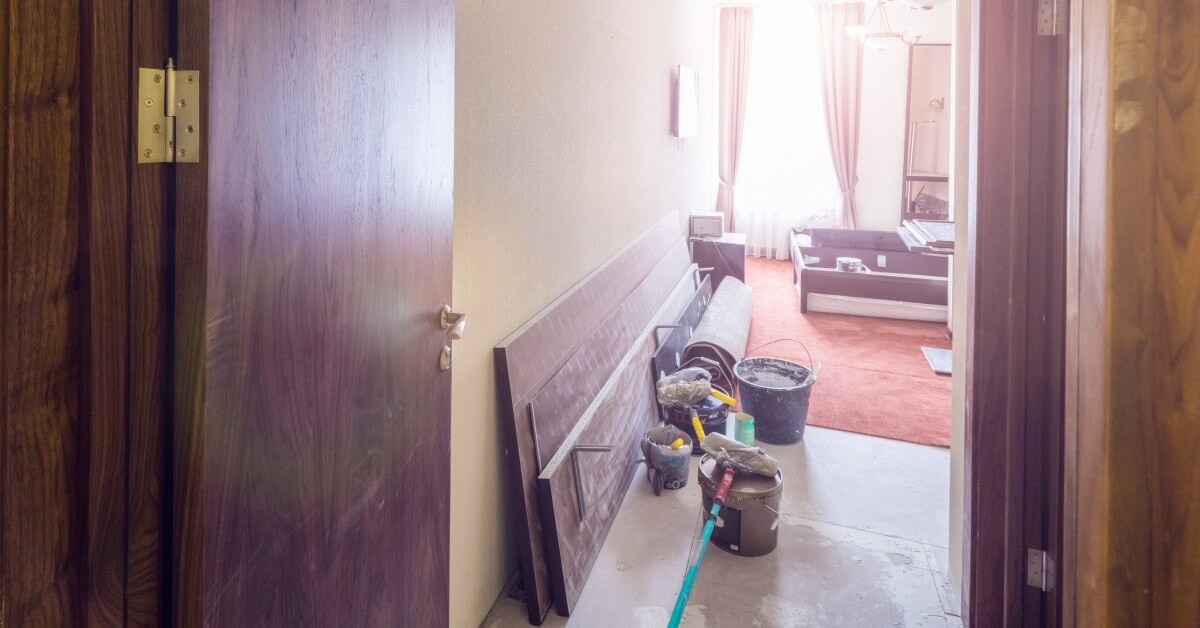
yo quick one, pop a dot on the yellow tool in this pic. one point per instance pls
(677, 444)
(696, 426)
(722, 397)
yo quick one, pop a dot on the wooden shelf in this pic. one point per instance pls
(927, 177)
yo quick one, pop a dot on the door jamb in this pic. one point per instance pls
(1015, 333)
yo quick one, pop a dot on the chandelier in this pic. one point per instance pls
(877, 32)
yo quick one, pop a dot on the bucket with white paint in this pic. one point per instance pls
(748, 524)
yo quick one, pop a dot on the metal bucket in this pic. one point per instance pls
(666, 467)
(775, 392)
(748, 524)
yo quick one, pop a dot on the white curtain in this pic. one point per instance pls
(786, 177)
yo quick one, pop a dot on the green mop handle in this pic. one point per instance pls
(690, 578)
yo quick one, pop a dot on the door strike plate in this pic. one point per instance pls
(168, 109)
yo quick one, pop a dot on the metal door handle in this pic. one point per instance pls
(579, 497)
(453, 323)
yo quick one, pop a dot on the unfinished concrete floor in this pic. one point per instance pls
(863, 543)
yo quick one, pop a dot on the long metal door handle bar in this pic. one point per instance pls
(537, 446)
(575, 467)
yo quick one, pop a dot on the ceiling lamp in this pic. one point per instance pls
(877, 33)
(924, 4)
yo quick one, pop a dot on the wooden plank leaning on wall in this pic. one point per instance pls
(1133, 413)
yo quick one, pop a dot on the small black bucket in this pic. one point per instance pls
(712, 413)
(775, 392)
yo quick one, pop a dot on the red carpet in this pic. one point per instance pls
(874, 378)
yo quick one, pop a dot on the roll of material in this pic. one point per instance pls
(724, 329)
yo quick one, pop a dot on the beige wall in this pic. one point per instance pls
(563, 156)
(959, 192)
(881, 130)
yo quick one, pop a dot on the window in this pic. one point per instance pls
(785, 173)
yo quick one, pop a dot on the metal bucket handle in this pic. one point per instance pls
(813, 367)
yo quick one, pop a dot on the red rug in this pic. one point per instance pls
(874, 378)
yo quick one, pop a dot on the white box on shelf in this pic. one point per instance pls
(710, 224)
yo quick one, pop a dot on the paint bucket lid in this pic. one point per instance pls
(746, 487)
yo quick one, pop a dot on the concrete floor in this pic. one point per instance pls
(863, 543)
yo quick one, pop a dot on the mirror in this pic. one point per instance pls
(926, 190)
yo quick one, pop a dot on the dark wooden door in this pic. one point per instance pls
(323, 487)
(309, 485)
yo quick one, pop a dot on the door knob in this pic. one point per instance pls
(454, 323)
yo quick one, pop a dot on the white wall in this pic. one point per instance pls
(961, 102)
(563, 156)
(882, 122)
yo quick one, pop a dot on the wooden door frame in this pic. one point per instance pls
(190, 277)
(81, 476)
(1015, 332)
(1133, 535)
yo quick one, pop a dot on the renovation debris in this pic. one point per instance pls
(688, 387)
(721, 379)
(750, 520)
(743, 428)
(666, 457)
(725, 327)
(726, 451)
(693, 404)
(940, 360)
(749, 461)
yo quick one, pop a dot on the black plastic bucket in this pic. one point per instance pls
(775, 392)
(712, 413)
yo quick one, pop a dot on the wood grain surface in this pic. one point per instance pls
(189, 276)
(619, 415)
(1133, 472)
(561, 402)
(326, 466)
(1014, 336)
(527, 359)
(149, 262)
(43, 564)
(84, 329)
(108, 231)
(64, 313)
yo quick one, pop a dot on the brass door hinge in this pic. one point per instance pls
(168, 115)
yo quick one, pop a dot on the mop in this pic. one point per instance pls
(732, 455)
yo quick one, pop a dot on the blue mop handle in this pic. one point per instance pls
(690, 578)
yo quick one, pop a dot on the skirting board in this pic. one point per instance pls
(879, 308)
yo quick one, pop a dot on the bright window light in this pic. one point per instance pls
(785, 175)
